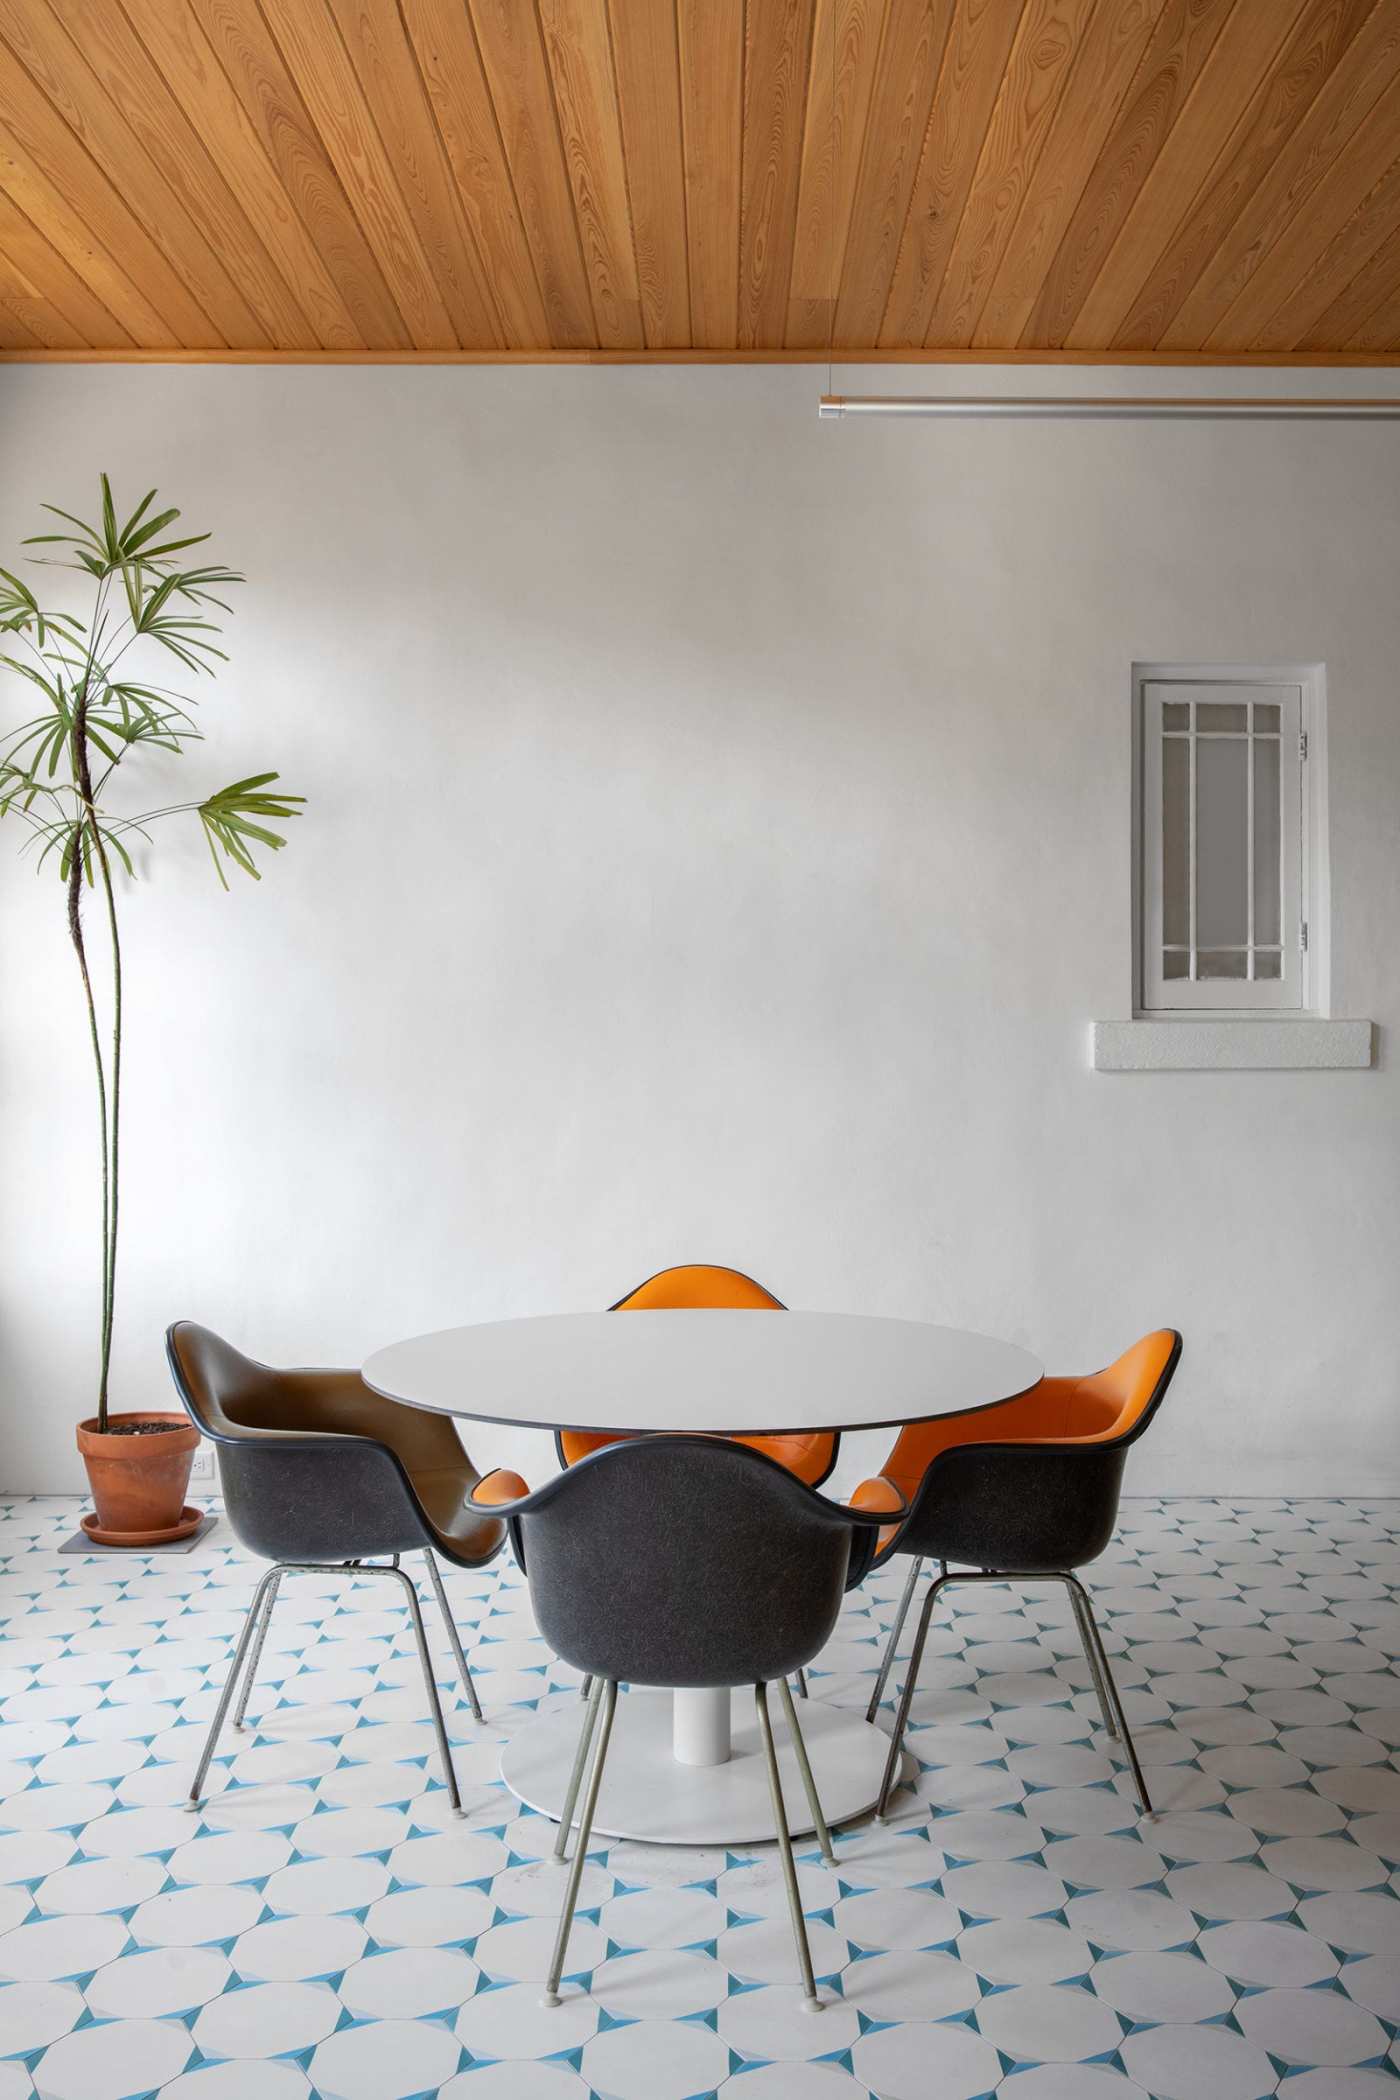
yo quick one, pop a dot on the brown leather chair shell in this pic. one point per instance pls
(250, 1410)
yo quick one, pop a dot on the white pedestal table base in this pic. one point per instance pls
(648, 1795)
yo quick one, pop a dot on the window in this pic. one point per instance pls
(1224, 839)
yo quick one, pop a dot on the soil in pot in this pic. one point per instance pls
(138, 1468)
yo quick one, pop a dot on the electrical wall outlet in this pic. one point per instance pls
(203, 1466)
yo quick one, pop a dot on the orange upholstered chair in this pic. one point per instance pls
(1027, 1487)
(706, 1285)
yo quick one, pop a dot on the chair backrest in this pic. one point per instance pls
(699, 1285)
(1035, 1485)
(1104, 1406)
(706, 1286)
(313, 1464)
(683, 1561)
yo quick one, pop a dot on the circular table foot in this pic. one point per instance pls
(646, 1795)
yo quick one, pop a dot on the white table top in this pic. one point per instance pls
(725, 1372)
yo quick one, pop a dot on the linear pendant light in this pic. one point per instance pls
(1181, 408)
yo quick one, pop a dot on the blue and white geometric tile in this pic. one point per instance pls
(326, 1928)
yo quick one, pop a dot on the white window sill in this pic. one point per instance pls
(1200, 1044)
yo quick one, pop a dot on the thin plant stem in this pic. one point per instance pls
(115, 1122)
(109, 1095)
(75, 930)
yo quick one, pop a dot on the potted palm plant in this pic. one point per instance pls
(144, 600)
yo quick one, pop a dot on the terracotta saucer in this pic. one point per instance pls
(190, 1521)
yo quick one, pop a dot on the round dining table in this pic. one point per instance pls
(687, 1767)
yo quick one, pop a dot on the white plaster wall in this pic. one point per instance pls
(718, 842)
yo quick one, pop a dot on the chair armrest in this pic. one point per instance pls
(499, 1489)
(877, 1501)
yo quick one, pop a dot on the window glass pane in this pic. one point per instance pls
(1221, 962)
(1176, 841)
(1267, 827)
(1176, 963)
(1266, 965)
(1176, 715)
(1222, 900)
(1266, 717)
(1220, 715)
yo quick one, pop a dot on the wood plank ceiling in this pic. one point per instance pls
(727, 176)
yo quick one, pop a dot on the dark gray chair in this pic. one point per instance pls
(1034, 1496)
(318, 1472)
(683, 1562)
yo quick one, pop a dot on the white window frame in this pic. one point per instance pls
(1306, 914)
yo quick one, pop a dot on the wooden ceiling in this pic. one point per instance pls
(928, 177)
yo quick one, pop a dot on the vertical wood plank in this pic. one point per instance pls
(19, 322)
(578, 51)
(382, 61)
(55, 181)
(317, 61)
(979, 43)
(125, 77)
(1365, 315)
(81, 117)
(647, 61)
(179, 50)
(1279, 105)
(1036, 76)
(507, 35)
(252, 64)
(1324, 172)
(38, 263)
(906, 74)
(777, 59)
(846, 38)
(46, 325)
(711, 44)
(449, 63)
(1323, 277)
(1245, 52)
(1113, 42)
(1183, 40)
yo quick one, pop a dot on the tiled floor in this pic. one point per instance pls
(325, 1928)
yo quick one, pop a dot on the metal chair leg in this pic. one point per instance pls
(264, 1621)
(804, 1767)
(585, 1737)
(775, 1789)
(225, 1697)
(444, 1747)
(1077, 1588)
(902, 1717)
(799, 1678)
(453, 1636)
(590, 1802)
(887, 1660)
(1091, 1655)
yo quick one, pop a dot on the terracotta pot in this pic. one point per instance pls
(138, 1482)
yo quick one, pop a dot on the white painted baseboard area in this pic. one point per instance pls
(1253, 1045)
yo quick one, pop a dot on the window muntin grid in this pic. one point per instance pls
(1222, 871)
